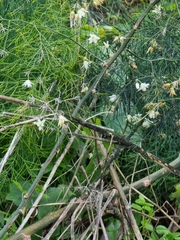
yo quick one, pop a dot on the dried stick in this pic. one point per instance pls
(22, 102)
(24, 122)
(128, 210)
(110, 197)
(152, 177)
(10, 150)
(60, 219)
(50, 218)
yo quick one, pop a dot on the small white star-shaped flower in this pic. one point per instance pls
(146, 123)
(86, 64)
(143, 86)
(40, 124)
(62, 121)
(81, 13)
(113, 98)
(28, 84)
(106, 44)
(93, 38)
(3, 53)
(153, 114)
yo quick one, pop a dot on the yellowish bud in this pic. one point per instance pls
(172, 92)
(134, 66)
(166, 85)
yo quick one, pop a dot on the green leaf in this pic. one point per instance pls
(148, 209)
(149, 226)
(53, 195)
(154, 236)
(136, 206)
(17, 190)
(1, 219)
(162, 230)
(112, 229)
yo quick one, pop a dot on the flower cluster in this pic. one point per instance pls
(171, 87)
(136, 118)
(3, 53)
(146, 123)
(153, 46)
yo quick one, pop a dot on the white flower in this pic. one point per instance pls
(93, 38)
(157, 10)
(106, 44)
(62, 121)
(146, 123)
(85, 89)
(119, 39)
(27, 74)
(3, 53)
(129, 118)
(137, 85)
(40, 124)
(3, 29)
(81, 13)
(113, 98)
(136, 117)
(72, 19)
(86, 64)
(153, 114)
(90, 155)
(144, 86)
(112, 109)
(164, 31)
(28, 84)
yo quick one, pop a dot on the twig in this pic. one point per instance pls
(122, 196)
(59, 220)
(22, 102)
(110, 197)
(103, 229)
(152, 177)
(50, 218)
(73, 218)
(125, 203)
(24, 122)
(10, 150)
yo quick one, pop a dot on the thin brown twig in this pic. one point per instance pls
(128, 209)
(60, 219)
